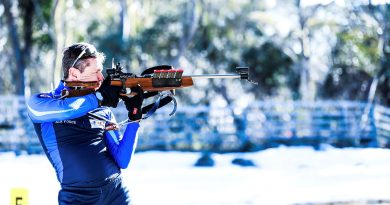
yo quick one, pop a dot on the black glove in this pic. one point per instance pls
(109, 94)
(134, 104)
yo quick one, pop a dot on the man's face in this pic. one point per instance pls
(92, 71)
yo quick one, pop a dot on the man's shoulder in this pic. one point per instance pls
(42, 96)
(102, 111)
(45, 95)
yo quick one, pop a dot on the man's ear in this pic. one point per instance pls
(74, 74)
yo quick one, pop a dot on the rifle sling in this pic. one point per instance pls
(76, 93)
(150, 109)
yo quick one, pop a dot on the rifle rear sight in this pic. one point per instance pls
(117, 72)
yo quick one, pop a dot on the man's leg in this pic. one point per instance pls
(117, 194)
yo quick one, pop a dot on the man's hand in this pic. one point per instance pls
(134, 104)
(109, 93)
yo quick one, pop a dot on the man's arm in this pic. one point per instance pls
(122, 149)
(46, 109)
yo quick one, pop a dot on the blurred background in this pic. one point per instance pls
(322, 69)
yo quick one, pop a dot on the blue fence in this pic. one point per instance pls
(226, 129)
(382, 124)
(268, 124)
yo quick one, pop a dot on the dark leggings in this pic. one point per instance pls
(113, 193)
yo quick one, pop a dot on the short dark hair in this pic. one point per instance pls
(74, 55)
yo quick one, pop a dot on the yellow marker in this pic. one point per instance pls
(19, 196)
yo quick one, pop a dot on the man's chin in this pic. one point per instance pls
(98, 86)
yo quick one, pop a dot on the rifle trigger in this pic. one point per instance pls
(123, 81)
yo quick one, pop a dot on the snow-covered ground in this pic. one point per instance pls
(282, 176)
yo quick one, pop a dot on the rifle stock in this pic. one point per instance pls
(147, 83)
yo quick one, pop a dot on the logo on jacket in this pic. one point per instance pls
(95, 123)
(73, 122)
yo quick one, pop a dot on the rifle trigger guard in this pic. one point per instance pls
(174, 105)
(171, 94)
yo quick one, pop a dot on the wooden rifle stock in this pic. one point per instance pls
(147, 83)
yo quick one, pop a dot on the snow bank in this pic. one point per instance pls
(282, 176)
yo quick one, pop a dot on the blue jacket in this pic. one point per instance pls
(76, 143)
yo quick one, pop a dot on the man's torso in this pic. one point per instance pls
(76, 148)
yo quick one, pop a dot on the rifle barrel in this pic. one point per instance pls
(216, 76)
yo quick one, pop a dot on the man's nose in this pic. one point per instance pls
(100, 77)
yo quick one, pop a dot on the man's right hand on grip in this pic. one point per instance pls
(109, 94)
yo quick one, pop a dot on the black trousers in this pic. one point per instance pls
(113, 193)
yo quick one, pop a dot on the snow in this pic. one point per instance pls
(283, 175)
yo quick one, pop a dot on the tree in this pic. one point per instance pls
(362, 54)
(304, 33)
(381, 14)
(353, 58)
(24, 42)
(19, 52)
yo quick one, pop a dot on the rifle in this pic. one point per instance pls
(158, 79)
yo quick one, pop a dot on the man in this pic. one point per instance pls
(86, 156)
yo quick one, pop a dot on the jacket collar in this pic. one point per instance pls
(57, 92)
